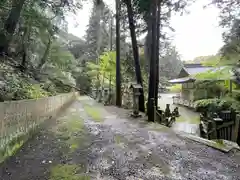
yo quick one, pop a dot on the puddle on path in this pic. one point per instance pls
(188, 121)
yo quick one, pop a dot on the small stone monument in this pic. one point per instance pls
(136, 93)
(167, 112)
(176, 112)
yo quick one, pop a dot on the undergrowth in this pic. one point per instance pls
(193, 120)
(94, 112)
(68, 172)
(12, 145)
(70, 131)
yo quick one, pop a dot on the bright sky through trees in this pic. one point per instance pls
(196, 34)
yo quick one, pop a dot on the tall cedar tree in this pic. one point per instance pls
(152, 76)
(157, 51)
(118, 68)
(135, 53)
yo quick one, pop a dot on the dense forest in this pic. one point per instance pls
(38, 57)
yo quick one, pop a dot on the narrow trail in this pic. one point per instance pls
(91, 141)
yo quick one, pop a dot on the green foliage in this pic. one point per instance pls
(229, 15)
(211, 60)
(94, 112)
(17, 86)
(175, 88)
(70, 132)
(212, 105)
(104, 71)
(234, 101)
(97, 34)
(213, 84)
(170, 64)
(10, 148)
(83, 80)
(231, 48)
(221, 73)
(228, 11)
(38, 49)
(34, 91)
(193, 120)
(208, 89)
(67, 172)
(12, 144)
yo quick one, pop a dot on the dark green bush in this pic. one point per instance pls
(212, 105)
(235, 103)
(208, 89)
(17, 86)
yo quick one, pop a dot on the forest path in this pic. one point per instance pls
(91, 141)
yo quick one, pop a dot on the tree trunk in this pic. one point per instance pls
(25, 40)
(135, 54)
(111, 48)
(152, 76)
(147, 44)
(118, 68)
(10, 26)
(45, 55)
(157, 51)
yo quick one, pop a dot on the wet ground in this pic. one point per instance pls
(188, 121)
(91, 141)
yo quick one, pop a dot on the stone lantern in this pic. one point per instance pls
(105, 95)
(99, 95)
(110, 96)
(94, 93)
(136, 93)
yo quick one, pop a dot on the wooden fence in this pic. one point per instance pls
(226, 127)
(19, 117)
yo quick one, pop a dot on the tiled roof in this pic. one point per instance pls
(193, 69)
(181, 80)
(196, 70)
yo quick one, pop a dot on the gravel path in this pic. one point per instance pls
(91, 141)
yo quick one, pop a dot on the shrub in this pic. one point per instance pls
(212, 105)
(17, 87)
(35, 91)
(234, 102)
(208, 89)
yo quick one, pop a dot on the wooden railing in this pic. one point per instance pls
(225, 127)
(17, 118)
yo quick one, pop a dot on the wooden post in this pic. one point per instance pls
(153, 116)
(235, 129)
(230, 87)
(2, 119)
(214, 129)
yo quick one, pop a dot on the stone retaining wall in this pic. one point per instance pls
(17, 118)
